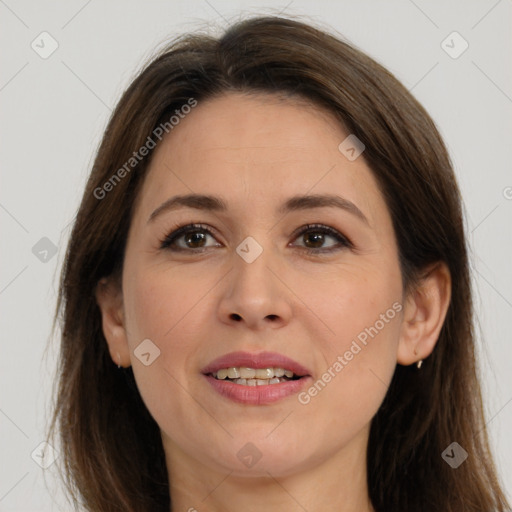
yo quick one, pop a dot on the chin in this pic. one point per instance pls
(260, 458)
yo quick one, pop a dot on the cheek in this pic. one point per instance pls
(343, 399)
(359, 355)
(156, 310)
(359, 300)
(156, 304)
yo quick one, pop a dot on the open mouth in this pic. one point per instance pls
(254, 376)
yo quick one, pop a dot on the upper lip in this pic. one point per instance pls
(259, 360)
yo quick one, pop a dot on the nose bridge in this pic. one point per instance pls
(251, 265)
(253, 281)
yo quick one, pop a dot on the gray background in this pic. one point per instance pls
(54, 110)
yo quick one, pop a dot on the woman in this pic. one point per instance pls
(266, 300)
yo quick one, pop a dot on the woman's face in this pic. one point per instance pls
(254, 278)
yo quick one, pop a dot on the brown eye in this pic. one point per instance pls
(316, 235)
(314, 240)
(195, 239)
(190, 237)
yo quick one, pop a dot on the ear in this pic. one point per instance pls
(424, 314)
(109, 297)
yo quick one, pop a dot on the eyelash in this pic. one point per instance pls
(343, 241)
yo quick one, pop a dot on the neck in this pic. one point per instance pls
(338, 482)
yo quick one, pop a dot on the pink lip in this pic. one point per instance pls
(261, 360)
(256, 395)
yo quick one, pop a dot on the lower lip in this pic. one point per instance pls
(257, 395)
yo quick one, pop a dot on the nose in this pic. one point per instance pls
(255, 294)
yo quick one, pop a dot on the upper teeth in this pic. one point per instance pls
(252, 373)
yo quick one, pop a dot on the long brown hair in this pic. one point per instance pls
(111, 450)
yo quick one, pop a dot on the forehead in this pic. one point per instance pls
(258, 149)
(264, 128)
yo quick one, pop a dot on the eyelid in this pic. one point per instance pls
(342, 239)
(179, 230)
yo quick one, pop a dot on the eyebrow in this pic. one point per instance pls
(295, 203)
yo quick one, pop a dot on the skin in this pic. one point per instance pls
(255, 151)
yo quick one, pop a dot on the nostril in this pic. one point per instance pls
(272, 317)
(236, 316)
